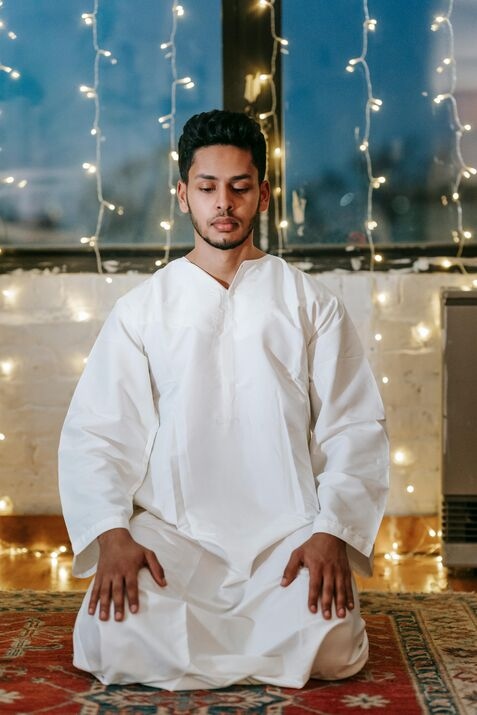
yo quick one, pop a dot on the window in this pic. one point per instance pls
(46, 121)
(411, 145)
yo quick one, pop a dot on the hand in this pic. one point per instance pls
(330, 575)
(120, 559)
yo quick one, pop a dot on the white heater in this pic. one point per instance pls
(459, 433)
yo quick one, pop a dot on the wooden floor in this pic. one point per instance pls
(40, 537)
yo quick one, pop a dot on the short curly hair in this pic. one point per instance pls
(221, 126)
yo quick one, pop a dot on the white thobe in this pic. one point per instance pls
(223, 427)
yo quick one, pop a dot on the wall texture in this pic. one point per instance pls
(48, 323)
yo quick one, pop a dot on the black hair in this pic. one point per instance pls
(220, 126)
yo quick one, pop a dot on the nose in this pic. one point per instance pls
(224, 201)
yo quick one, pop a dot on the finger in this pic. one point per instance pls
(349, 592)
(104, 601)
(155, 568)
(292, 568)
(327, 592)
(118, 598)
(132, 593)
(93, 601)
(340, 596)
(314, 589)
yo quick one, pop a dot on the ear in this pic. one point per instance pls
(182, 196)
(264, 196)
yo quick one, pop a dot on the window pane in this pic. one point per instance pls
(46, 121)
(411, 141)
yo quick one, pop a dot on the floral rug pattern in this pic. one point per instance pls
(423, 660)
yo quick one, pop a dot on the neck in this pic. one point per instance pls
(222, 265)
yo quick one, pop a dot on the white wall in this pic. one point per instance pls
(48, 323)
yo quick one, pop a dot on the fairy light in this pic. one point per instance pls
(421, 332)
(168, 122)
(373, 104)
(93, 92)
(6, 367)
(270, 118)
(6, 505)
(448, 68)
(13, 74)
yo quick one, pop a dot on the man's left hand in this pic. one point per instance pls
(324, 555)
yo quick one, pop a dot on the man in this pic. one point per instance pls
(224, 455)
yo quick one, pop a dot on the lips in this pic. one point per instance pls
(224, 224)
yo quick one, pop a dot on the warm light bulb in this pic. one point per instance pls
(179, 10)
(422, 332)
(81, 316)
(6, 367)
(378, 337)
(6, 505)
(165, 225)
(283, 224)
(158, 263)
(399, 457)
(174, 156)
(382, 298)
(2, 437)
(108, 279)
(372, 225)
(445, 263)
(385, 380)
(432, 533)
(410, 488)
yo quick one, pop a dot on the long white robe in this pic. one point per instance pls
(232, 424)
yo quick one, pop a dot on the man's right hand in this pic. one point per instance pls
(120, 560)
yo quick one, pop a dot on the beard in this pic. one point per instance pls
(223, 244)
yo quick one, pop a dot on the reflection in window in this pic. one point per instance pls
(411, 140)
(45, 122)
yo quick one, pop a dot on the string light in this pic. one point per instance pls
(168, 121)
(13, 74)
(422, 332)
(448, 67)
(6, 366)
(93, 92)
(373, 104)
(270, 117)
(6, 505)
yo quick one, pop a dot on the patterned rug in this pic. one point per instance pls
(423, 660)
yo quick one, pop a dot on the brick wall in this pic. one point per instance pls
(48, 323)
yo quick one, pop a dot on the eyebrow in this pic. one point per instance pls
(210, 177)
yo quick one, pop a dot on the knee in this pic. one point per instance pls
(342, 652)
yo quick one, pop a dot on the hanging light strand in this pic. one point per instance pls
(91, 19)
(448, 67)
(373, 104)
(275, 153)
(14, 74)
(168, 121)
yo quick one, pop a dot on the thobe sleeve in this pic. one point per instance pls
(106, 438)
(348, 444)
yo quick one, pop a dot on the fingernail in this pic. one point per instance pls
(283, 582)
(91, 611)
(341, 613)
(118, 616)
(133, 608)
(313, 609)
(327, 614)
(350, 605)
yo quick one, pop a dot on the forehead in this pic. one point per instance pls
(222, 161)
